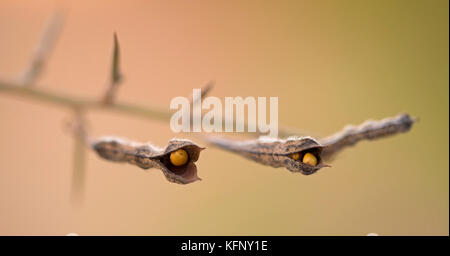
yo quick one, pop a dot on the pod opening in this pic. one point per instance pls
(310, 157)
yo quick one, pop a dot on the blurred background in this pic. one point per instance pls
(331, 63)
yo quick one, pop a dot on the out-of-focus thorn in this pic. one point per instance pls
(43, 49)
(205, 90)
(116, 75)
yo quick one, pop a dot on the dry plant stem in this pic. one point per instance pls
(148, 156)
(79, 159)
(369, 130)
(78, 172)
(79, 156)
(82, 103)
(43, 50)
(42, 95)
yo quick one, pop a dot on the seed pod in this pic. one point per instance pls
(293, 152)
(369, 130)
(148, 156)
(276, 153)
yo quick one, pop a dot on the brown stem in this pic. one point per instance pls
(369, 130)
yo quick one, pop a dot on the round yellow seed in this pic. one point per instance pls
(310, 159)
(295, 156)
(179, 157)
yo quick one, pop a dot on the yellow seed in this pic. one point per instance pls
(295, 156)
(310, 159)
(179, 157)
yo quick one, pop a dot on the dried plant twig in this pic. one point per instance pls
(148, 156)
(79, 157)
(43, 49)
(369, 130)
(71, 102)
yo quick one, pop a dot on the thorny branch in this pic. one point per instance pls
(79, 106)
(70, 102)
(22, 87)
(176, 161)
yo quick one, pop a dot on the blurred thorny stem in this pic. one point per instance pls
(82, 103)
(24, 87)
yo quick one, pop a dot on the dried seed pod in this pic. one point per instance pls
(148, 156)
(369, 130)
(276, 153)
(305, 154)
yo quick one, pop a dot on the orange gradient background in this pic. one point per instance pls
(331, 63)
